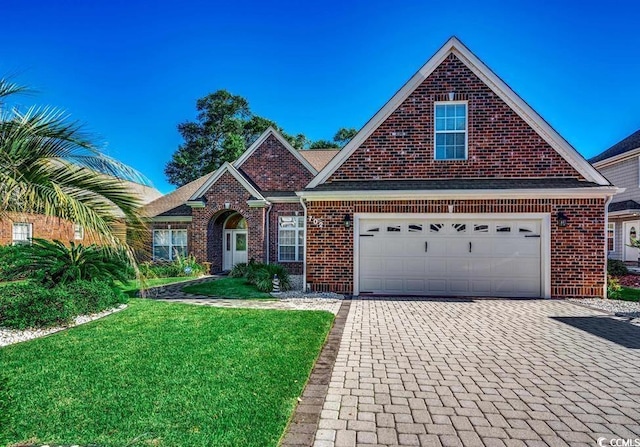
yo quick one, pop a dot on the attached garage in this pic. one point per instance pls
(451, 255)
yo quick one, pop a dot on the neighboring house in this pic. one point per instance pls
(620, 164)
(245, 210)
(455, 187)
(19, 228)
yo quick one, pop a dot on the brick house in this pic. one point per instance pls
(454, 187)
(245, 210)
(18, 228)
(621, 165)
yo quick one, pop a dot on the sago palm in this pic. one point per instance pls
(49, 166)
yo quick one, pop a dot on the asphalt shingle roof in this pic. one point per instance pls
(430, 185)
(625, 205)
(628, 144)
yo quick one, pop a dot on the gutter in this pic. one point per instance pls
(606, 248)
(304, 261)
(267, 226)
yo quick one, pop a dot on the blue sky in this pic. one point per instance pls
(133, 70)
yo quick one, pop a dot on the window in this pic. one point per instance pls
(169, 244)
(611, 231)
(291, 238)
(22, 233)
(451, 131)
(78, 232)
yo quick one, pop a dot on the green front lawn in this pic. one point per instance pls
(132, 287)
(629, 294)
(161, 374)
(236, 288)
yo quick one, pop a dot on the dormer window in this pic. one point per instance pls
(451, 130)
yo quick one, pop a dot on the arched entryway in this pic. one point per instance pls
(234, 241)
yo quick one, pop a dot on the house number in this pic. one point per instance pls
(317, 222)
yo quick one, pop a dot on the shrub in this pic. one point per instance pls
(29, 304)
(52, 263)
(182, 266)
(94, 296)
(616, 267)
(12, 262)
(614, 289)
(264, 277)
(239, 270)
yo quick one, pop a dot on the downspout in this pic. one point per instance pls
(606, 247)
(267, 251)
(304, 261)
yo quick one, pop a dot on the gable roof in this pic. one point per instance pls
(174, 199)
(629, 144)
(226, 167)
(497, 85)
(319, 158)
(261, 139)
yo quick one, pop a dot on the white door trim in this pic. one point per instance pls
(629, 253)
(229, 256)
(545, 237)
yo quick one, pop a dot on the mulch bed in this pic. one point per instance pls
(629, 280)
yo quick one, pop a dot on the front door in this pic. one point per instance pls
(235, 248)
(631, 231)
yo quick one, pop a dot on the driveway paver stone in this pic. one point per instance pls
(481, 372)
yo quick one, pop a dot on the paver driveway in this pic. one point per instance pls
(482, 372)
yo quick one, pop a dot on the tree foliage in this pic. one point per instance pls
(224, 128)
(49, 166)
(323, 144)
(344, 135)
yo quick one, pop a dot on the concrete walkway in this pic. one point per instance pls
(481, 372)
(173, 293)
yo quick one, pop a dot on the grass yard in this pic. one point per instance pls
(236, 288)
(131, 287)
(161, 374)
(629, 294)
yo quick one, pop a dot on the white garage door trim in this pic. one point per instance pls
(545, 237)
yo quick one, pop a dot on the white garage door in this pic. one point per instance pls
(450, 257)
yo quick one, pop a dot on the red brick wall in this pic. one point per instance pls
(273, 168)
(43, 227)
(282, 209)
(226, 189)
(500, 143)
(578, 259)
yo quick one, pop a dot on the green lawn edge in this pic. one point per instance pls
(205, 388)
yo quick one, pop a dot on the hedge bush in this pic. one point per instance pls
(13, 261)
(29, 304)
(616, 267)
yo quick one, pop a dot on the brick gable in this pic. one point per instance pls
(273, 168)
(501, 144)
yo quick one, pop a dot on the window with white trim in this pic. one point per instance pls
(290, 238)
(451, 130)
(169, 244)
(78, 232)
(22, 233)
(611, 234)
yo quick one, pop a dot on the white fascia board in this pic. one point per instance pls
(531, 117)
(261, 139)
(226, 167)
(257, 203)
(312, 196)
(288, 199)
(195, 203)
(624, 213)
(618, 158)
(172, 219)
